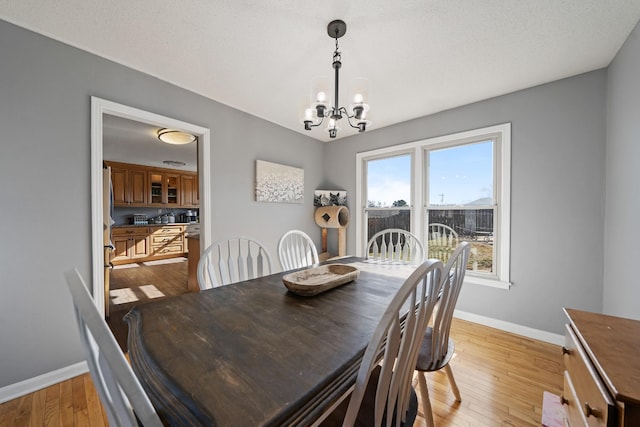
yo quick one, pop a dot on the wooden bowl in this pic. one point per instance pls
(313, 281)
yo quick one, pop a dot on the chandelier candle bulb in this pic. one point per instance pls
(321, 97)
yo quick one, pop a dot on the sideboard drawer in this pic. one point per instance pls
(590, 396)
(571, 403)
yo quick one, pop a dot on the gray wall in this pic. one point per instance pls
(45, 90)
(557, 194)
(621, 295)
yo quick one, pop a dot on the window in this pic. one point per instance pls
(388, 194)
(460, 189)
(446, 190)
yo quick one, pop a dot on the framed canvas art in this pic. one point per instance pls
(276, 183)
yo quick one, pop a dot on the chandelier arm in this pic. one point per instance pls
(317, 124)
(351, 124)
(349, 117)
(360, 125)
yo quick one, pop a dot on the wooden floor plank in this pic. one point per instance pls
(94, 408)
(23, 411)
(8, 412)
(80, 410)
(36, 417)
(66, 404)
(52, 406)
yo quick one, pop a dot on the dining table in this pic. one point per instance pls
(254, 353)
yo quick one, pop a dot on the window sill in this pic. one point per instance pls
(494, 283)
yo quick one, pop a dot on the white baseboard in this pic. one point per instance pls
(525, 331)
(21, 388)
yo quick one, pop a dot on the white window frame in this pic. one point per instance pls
(501, 134)
(411, 154)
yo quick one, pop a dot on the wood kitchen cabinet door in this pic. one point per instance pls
(157, 188)
(173, 189)
(119, 184)
(130, 247)
(189, 184)
(121, 248)
(138, 186)
(130, 243)
(140, 247)
(164, 189)
(129, 186)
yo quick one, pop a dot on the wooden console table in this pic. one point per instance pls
(602, 370)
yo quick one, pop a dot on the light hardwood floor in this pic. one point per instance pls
(501, 377)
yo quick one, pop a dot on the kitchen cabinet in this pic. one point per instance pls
(164, 189)
(189, 193)
(147, 186)
(129, 186)
(148, 243)
(131, 244)
(601, 370)
(167, 240)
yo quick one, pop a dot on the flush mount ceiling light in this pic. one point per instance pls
(175, 137)
(176, 163)
(315, 113)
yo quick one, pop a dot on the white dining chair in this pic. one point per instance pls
(395, 245)
(122, 396)
(232, 260)
(383, 392)
(297, 250)
(437, 347)
(442, 240)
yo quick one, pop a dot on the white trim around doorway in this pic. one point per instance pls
(99, 107)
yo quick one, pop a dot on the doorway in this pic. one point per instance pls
(100, 109)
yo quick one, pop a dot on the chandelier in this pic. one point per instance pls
(319, 109)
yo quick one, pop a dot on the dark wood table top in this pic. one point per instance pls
(253, 353)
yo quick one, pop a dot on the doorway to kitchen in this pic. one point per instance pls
(104, 112)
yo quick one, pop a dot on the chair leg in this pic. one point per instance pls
(424, 395)
(452, 381)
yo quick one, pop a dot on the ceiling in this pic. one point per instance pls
(419, 56)
(129, 141)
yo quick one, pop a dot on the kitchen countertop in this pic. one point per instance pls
(152, 225)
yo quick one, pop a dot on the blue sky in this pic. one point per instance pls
(457, 175)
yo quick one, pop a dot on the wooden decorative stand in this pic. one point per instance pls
(333, 217)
